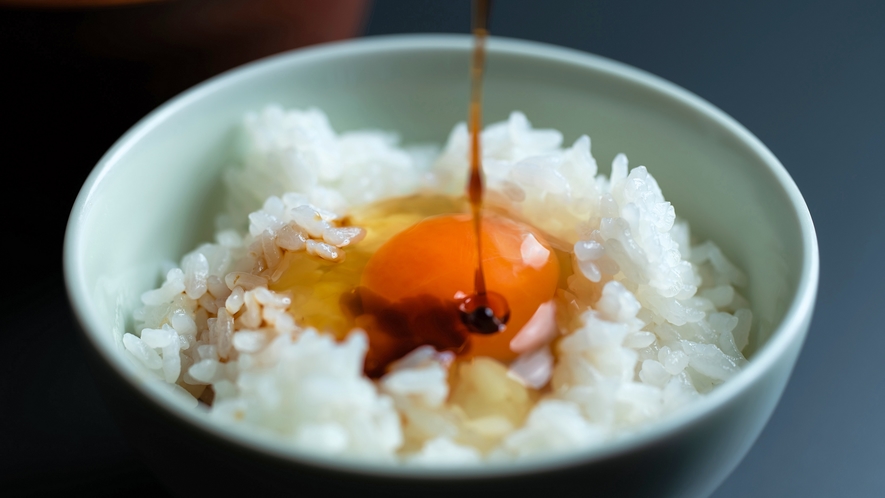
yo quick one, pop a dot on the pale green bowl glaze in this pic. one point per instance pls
(153, 195)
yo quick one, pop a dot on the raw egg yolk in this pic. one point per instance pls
(436, 258)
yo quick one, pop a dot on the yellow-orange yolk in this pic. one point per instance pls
(436, 260)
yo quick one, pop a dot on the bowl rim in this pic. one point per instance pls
(790, 330)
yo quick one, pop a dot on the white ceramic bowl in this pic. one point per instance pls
(146, 201)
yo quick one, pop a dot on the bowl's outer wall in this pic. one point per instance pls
(162, 179)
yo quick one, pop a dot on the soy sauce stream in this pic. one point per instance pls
(484, 312)
(475, 184)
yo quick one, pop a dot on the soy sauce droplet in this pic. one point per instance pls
(485, 314)
(482, 321)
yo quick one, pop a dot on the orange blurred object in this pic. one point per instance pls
(72, 3)
(183, 42)
(436, 258)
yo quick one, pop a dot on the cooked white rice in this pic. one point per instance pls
(656, 322)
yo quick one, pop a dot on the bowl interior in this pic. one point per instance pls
(154, 195)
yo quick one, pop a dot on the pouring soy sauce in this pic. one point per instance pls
(484, 312)
(449, 280)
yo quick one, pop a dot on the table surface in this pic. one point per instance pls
(806, 77)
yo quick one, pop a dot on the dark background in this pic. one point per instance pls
(806, 77)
